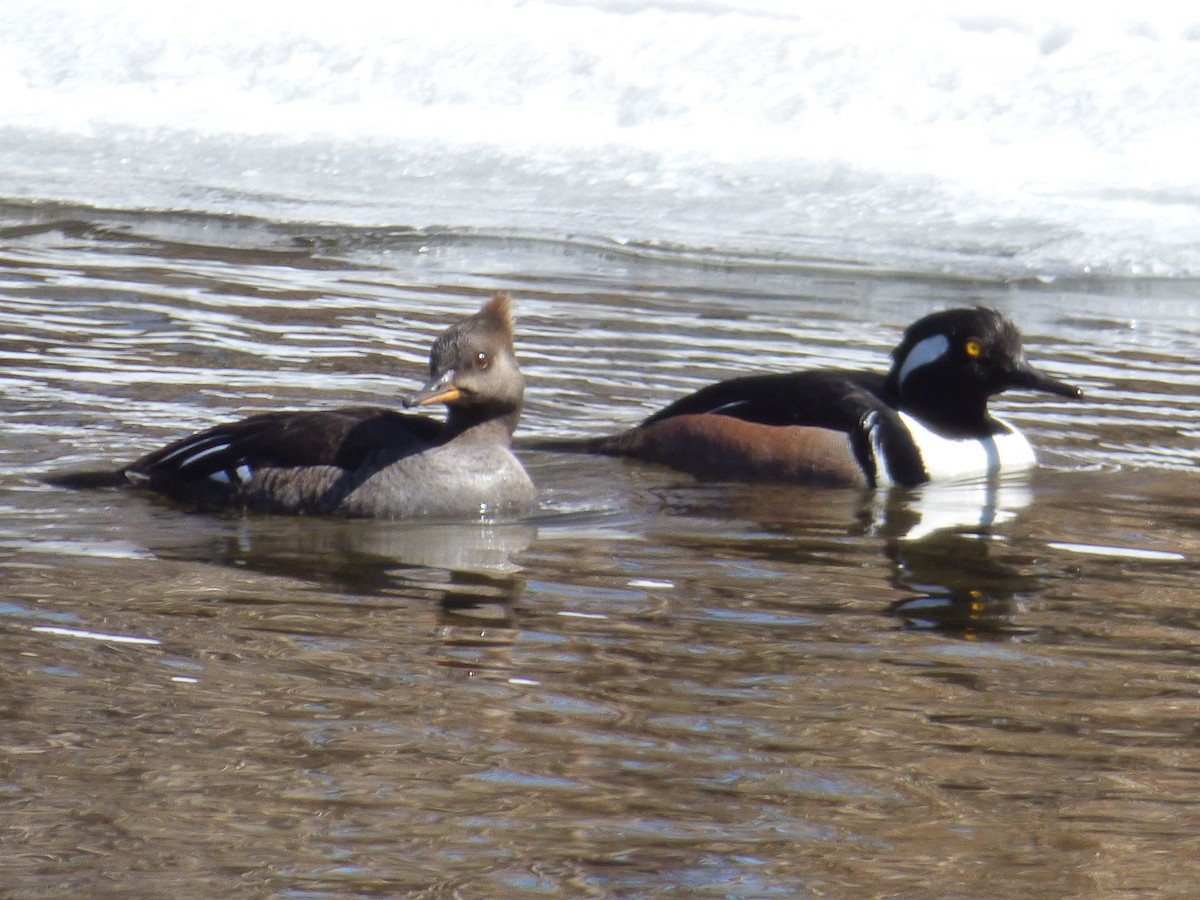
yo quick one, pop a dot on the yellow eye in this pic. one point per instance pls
(974, 348)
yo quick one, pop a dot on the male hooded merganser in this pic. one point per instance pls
(366, 461)
(927, 419)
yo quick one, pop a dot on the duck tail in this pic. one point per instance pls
(565, 445)
(91, 479)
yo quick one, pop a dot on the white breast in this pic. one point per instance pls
(948, 459)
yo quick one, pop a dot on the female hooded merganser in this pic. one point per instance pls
(366, 461)
(927, 419)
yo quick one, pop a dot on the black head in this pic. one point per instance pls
(473, 367)
(949, 364)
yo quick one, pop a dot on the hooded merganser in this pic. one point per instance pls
(366, 461)
(927, 419)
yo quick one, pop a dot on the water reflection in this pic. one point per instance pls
(959, 587)
(356, 554)
(478, 623)
(976, 506)
(466, 571)
(659, 682)
(943, 544)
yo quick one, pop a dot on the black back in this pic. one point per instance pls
(349, 438)
(837, 400)
(852, 402)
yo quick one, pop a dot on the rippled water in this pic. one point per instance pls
(656, 684)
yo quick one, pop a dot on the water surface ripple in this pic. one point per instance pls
(655, 685)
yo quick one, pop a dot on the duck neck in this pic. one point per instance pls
(942, 407)
(964, 417)
(482, 424)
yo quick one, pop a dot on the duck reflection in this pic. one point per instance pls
(958, 587)
(462, 572)
(941, 540)
(329, 550)
(958, 507)
(478, 623)
(467, 569)
(944, 542)
(902, 514)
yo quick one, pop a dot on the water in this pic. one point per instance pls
(654, 685)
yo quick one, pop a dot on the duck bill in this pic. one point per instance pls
(441, 389)
(1031, 379)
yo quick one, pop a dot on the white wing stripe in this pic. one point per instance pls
(195, 446)
(730, 405)
(882, 473)
(192, 460)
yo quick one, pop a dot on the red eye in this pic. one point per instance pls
(482, 360)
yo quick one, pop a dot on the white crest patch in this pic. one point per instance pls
(926, 351)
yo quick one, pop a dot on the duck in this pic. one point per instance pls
(365, 461)
(926, 419)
